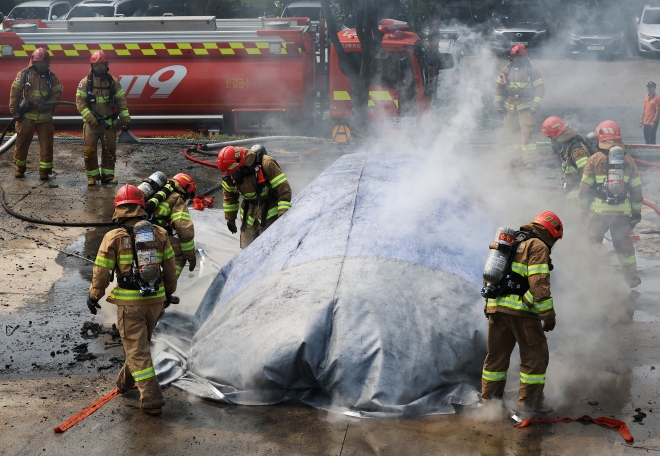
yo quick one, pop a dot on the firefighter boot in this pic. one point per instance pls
(151, 411)
(631, 276)
(19, 174)
(91, 181)
(538, 408)
(109, 180)
(43, 176)
(174, 300)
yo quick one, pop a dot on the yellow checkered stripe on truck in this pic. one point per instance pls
(374, 96)
(159, 49)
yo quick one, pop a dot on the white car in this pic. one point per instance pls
(648, 30)
(451, 79)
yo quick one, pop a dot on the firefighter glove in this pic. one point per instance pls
(125, 127)
(548, 320)
(231, 224)
(168, 301)
(92, 305)
(634, 220)
(192, 262)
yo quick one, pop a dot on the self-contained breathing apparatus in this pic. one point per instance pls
(25, 105)
(157, 188)
(518, 85)
(105, 121)
(614, 190)
(145, 273)
(498, 274)
(237, 178)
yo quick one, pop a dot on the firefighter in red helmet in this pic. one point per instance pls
(518, 94)
(257, 177)
(611, 197)
(171, 213)
(102, 103)
(137, 310)
(521, 313)
(32, 88)
(572, 150)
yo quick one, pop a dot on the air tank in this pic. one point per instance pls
(498, 257)
(152, 184)
(615, 183)
(148, 266)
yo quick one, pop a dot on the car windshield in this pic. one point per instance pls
(29, 12)
(651, 17)
(461, 14)
(91, 11)
(519, 15)
(299, 11)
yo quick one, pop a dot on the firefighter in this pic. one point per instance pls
(101, 101)
(34, 86)
(523, 317)
(611, 197)
(172, 214)
(572, 150)
(137, 313)
(518, 93)
(256, 177)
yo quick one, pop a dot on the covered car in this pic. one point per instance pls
(351, 302)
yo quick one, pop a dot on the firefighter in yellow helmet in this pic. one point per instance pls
(143, 290)
(611, 197)
(33, 87)
(257, 177)
(101, 102)
(518, 94)
(521, 312)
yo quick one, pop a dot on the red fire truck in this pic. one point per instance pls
(197, 73)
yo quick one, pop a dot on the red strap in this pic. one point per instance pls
(84, 413)
(602, 421)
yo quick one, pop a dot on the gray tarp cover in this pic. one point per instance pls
(354, 301)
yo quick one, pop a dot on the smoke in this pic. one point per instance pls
(461, 153)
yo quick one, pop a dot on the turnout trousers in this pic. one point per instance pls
(520, 127)
(25, 129)
(619, 228)
(92, 135)
(504, 331)
(136, 326)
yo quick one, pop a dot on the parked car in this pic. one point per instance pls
(648, 30)
(46, 10)
(451, 81)
(312, 10)
(597, 31)
(106, 8)
(524, 22)
(173, 7)
(460, 22)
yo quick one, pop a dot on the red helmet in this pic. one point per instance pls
(98, 57)
(553, 126)
(550, 222)
(608, 130)
(518, 49)
(187, 183)
(40, 55)
(230, 159)
(129, 194)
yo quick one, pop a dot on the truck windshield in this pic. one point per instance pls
(29, 12)
(91, 11)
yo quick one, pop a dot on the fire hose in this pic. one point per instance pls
(45, 103)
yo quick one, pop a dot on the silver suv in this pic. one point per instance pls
(46, 10)
(107, 8)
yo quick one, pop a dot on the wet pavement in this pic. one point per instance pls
(50, 369)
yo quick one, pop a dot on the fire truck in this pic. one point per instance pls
(246, 76)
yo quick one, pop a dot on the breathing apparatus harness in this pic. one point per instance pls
(26, 105)
(135, 280)
(530, 76)
(161, 195)
(237, 179)
(566, 155)
(513, 283)
(613, 190)
(106, 121)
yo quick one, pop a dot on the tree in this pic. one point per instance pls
(362, 74)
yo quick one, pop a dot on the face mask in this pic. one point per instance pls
(42, 68)
(235, 178)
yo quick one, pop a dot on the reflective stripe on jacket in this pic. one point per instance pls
(38, 92)
(175, 212)
(102, 93)
(518, 92)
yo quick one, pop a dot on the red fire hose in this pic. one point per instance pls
(186, 153)
(602, 421)
(642, 162)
